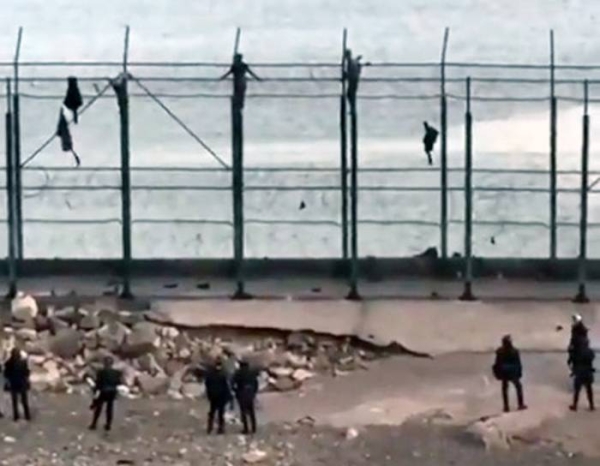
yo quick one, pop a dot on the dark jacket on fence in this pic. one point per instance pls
(508, 363)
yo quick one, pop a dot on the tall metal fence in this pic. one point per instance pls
(355, 185)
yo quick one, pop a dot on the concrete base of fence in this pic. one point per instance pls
(427, 327)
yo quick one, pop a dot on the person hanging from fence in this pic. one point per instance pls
(73, 100)
(429, 140)
(240, 70)
(352, 71)
(582, 371)
(507, 369)
(66, 140)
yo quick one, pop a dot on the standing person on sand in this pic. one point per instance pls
(508, 369)
(16, 376)
(583, 373)
(218, 392)
(106, 388)
(245, 387)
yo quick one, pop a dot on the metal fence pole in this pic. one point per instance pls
(237, 146)
(344, 155)
(468, 282)
(553, 162)
(581, 296)
(123, 100)
(10, 192)
(353, 294)
(444, 152)
(16, 126)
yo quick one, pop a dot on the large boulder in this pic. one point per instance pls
(66, 344)
(150, 385)
(24, 307)
(143, 339)
(112, 336)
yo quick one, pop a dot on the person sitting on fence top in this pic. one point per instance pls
(239, 69)
(352, 72)
(429, 140)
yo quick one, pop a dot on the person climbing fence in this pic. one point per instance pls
(240, 70)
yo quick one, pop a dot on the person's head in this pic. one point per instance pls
(244, 363)
(238, 58)
(218, 363)
(15, 353)
(507, 341)
(576, 318)
(108, 362)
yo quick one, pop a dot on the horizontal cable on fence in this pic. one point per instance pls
(308, 188)
(228, 223)
(334, 170)
(183, 64)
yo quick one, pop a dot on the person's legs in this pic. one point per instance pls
(211, 417)
(576, 390)
(589, 389)
(252, 415)
(97, 411)
(25, 402)
(221, 415)
(14, 398)
(519, 388)
(505, 395)
(110, 405)
(243, 414)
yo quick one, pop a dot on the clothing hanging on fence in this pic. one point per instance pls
(66, 140)
(73, 100)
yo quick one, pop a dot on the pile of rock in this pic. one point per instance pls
(66, 346)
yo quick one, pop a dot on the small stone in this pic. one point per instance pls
(26, 334)
(281, 371)
(192, 390)
(24, 307)
(8, 439)
(89, 322)
(300, 375)
(351, 433)
(254, 456)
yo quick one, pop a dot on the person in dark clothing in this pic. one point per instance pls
(353, 68)
(73, 100)
(429, 140)
(508, 369)
(16, 376)
(579, 333)
(583, 373)
(219, 395)
(108, 380)
(245, 387)
(240, 69)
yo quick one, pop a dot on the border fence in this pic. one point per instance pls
(461, 87)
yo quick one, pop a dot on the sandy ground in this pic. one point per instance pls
(386, 404)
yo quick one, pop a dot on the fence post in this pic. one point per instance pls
(581, 296)
(237, 146)
(444, 152)
(553, 163)
(353, 293)
(344, 157)
(468, 283)
(123, 101)
(10, 193)
(16, 142)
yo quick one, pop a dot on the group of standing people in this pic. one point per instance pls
(509, 370)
